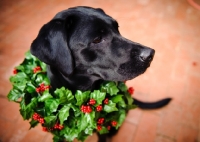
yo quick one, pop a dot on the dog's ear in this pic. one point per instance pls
(100, 10)
(51, 45)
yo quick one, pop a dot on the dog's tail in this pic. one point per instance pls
(152, 105)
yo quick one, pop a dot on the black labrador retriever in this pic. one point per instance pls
(82, 46)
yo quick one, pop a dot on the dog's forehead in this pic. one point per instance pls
(85, 13)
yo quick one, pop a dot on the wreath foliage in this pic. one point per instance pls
(67, 116)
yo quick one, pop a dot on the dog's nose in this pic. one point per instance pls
(147, 55)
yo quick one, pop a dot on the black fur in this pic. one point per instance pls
(82, 47)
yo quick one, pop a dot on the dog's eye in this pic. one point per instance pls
(97, 40)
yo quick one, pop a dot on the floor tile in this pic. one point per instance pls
(147, 128)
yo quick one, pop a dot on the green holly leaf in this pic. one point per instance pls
(63, 113)
(132, 106)
(20, 68)
(33, 123)
(122, 86)
(110, 88)
(30, 87)
(45, 95)
(27, 110)
(20, 85)
(29, 56)
(82, 137)
(50, 121)
(129, 98)
(43, 66)
(82, 123)
(69, 134)
(104, 130)
(29, 67)
(121, 118)
(41, 77)
(76, 110)
(18, 77)
(40, 111)
(25, 114)
(117, 98)
(90, 119)
(19, 81)
(65, 96)
(87, 121)
(110, 107)
(58, 139)
(122, 104)
(46, 80)
(15, 94)
(81, 97)
(89, 130)
(51, 105)
(98, 96)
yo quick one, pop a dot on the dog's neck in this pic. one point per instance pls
(73, 82)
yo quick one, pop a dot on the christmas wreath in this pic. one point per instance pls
(67, 116)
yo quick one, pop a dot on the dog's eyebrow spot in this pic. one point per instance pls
(88, 55)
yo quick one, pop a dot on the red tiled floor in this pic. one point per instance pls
(148, 128)
(126, 133)
(187, 134)
(170, 27)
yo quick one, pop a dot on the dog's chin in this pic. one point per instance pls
(120, 77)
(130, 77)
(120, 74)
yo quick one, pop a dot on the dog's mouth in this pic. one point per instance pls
(126, 71)
(131, 70)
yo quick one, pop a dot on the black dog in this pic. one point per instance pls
(82, 47)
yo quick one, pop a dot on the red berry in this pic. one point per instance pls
(100, 121)
(37, 89)
(106, 101)
(60, 127)
(113, 123)
(89, 109)
(56, 126)
(99, 108)
(131, 90)
(99, 127)
(83, 109)
(36, 69)
(86, 109)
(36, 116)
(41, 120)
(42, 88)
(108, 127)
(44, 129)
(92, 102)
(15, 71)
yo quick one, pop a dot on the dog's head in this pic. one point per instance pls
(84, 40)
